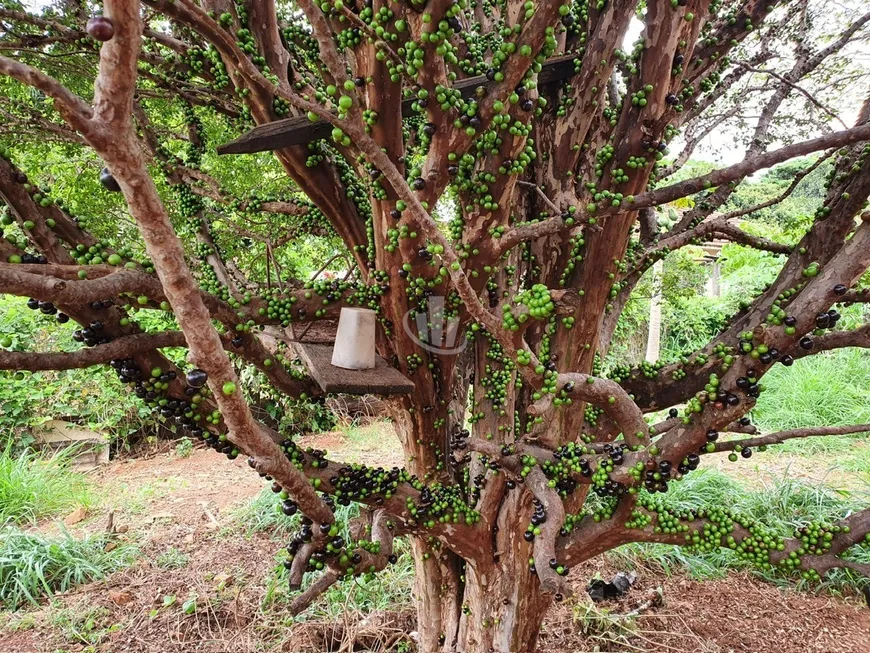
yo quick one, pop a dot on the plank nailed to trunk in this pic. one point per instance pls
(300, 130)
(382, 380)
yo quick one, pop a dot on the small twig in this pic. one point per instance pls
(799, 89)
(788, 191)
(542, 195)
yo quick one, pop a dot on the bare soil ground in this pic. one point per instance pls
(179, 512)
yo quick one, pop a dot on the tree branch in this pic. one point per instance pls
(123, 347)
(695, 185)
(74, 110)
(796, 87)
(544, 547)
(781, 436)
(796, 180)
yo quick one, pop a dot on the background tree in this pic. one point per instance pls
(522, 457)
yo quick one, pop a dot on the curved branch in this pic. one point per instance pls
(695, 185)
(75, 110)
(735, 234)
(796, 180)
(123, 347)
(318, 587)
(544, 548)
(605, 394)
(381, 534)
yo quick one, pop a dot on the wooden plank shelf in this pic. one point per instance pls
(299, 130)
(383, 379)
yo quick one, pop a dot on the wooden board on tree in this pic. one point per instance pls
(381, 380)
(299, 130)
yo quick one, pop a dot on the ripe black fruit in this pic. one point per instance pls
(289, 508)
(197, 378)
(108, 181)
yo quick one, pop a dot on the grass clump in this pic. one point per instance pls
(33, 565)
(262, 514)
(34, 486)
(172, 558)
(828, 389)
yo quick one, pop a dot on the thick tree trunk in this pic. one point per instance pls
(503, 607)
(489, 605)
(438, 572)
(494, 606)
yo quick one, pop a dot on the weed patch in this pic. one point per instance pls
(33, 486)
(33, 565)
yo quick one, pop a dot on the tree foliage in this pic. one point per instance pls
(496, 163)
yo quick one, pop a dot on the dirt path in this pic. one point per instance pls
(204, 583)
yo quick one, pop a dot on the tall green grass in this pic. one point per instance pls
(33, 486)
(782, 506)
(262, 514)
(33, 565)
(828, 389)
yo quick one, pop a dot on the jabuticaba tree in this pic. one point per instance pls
(551, 181)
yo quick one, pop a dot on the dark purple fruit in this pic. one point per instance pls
(197, 378)
(100, 28)
(108, 181)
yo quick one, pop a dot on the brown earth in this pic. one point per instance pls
(181, 513)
